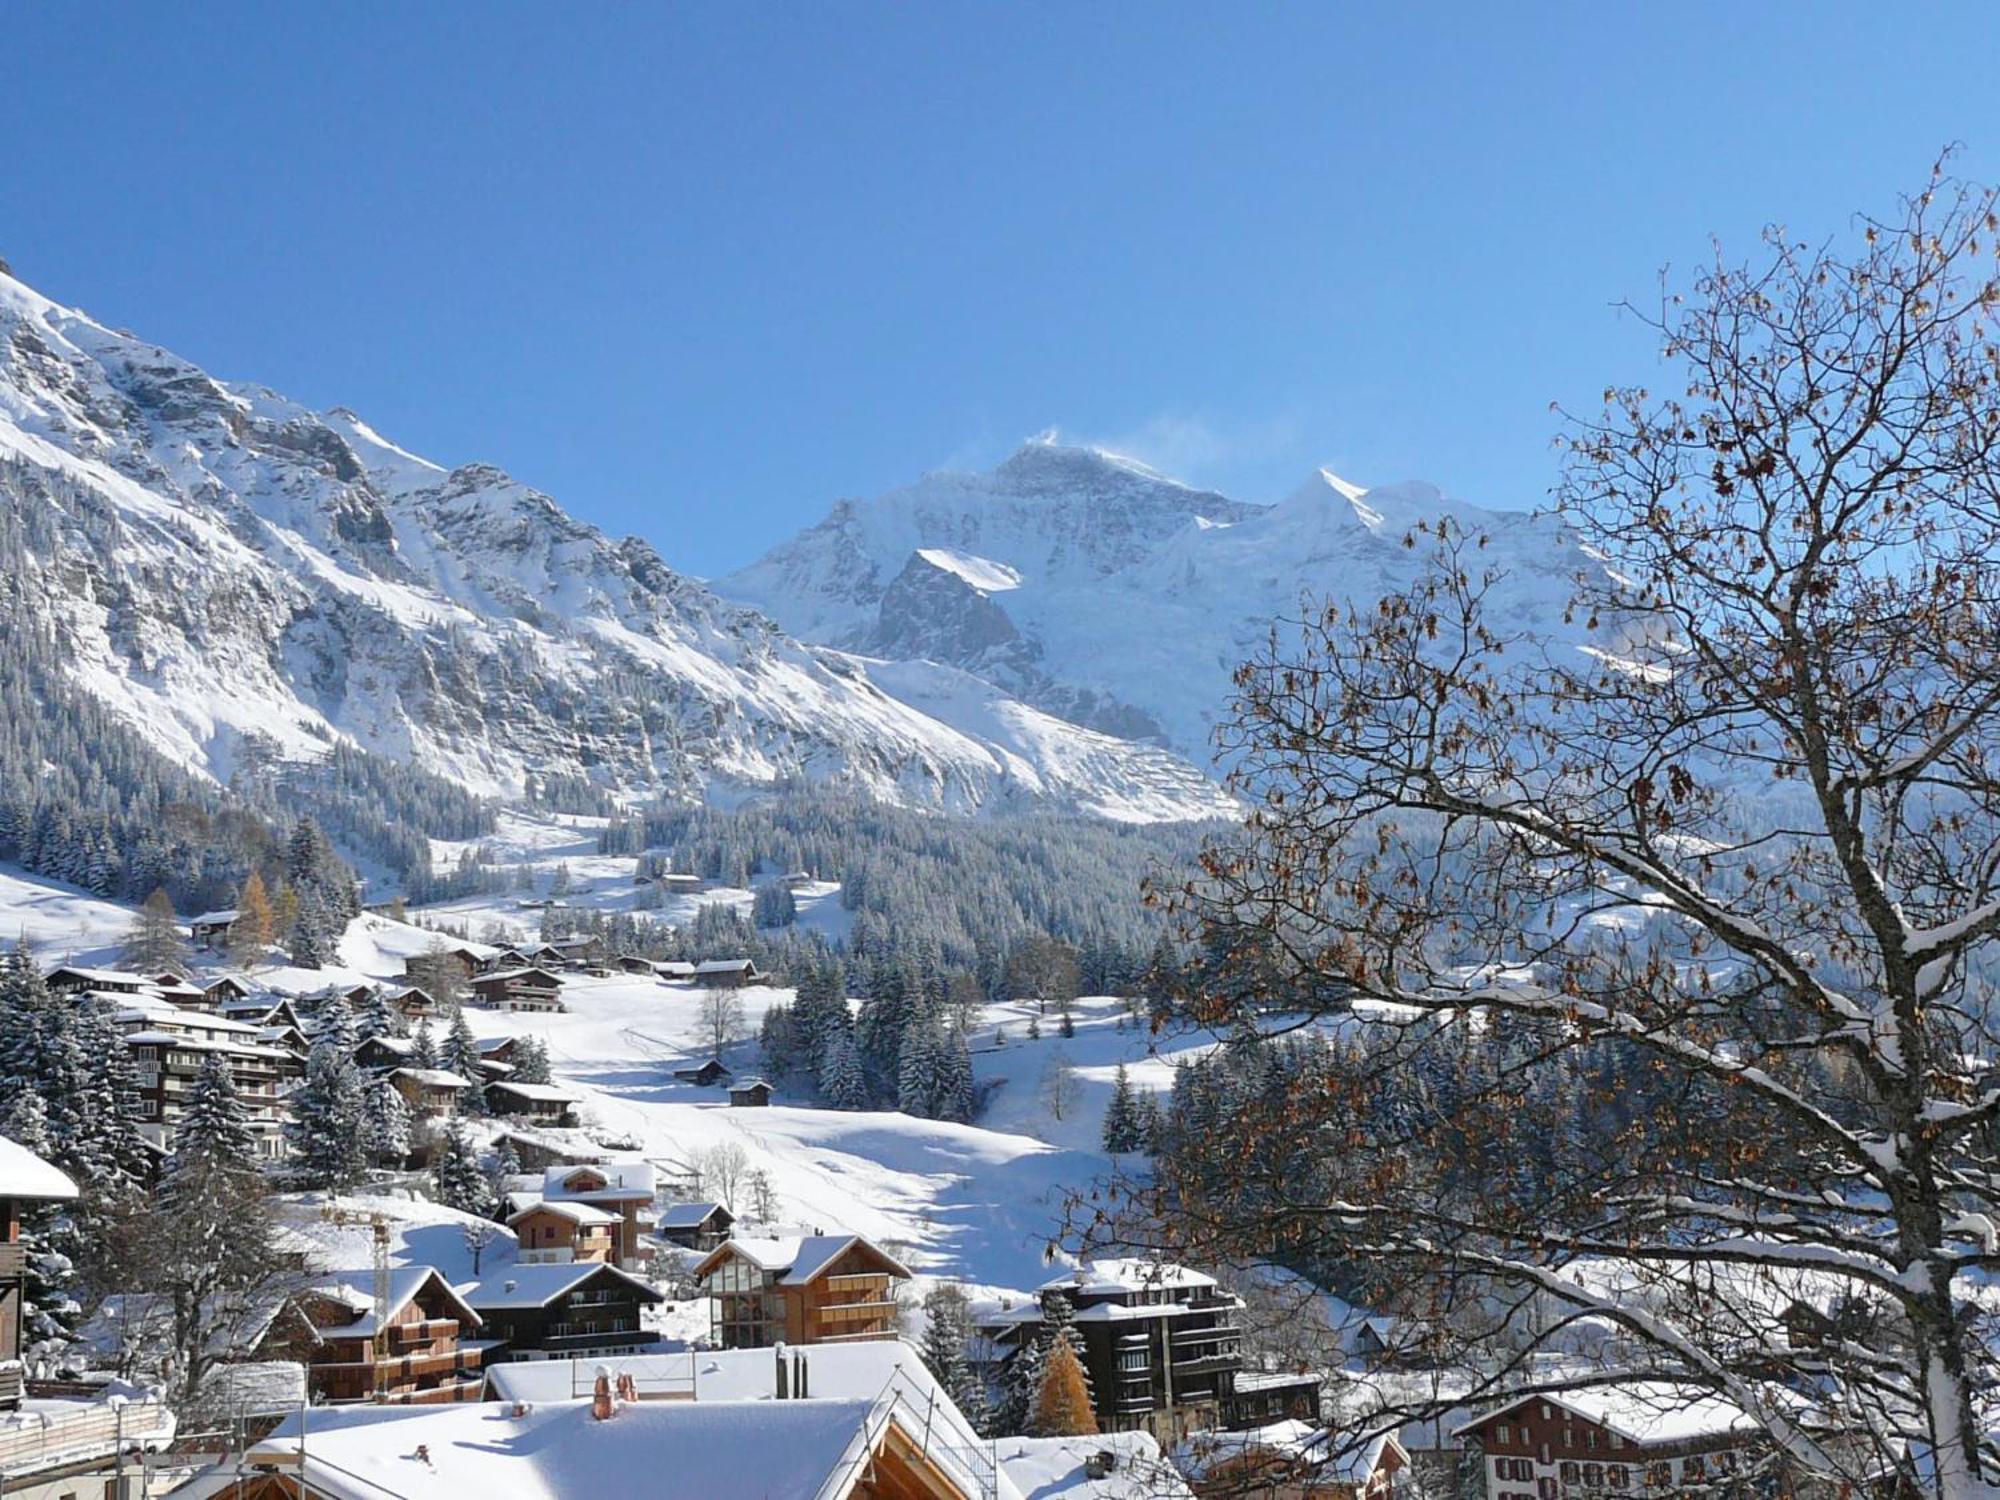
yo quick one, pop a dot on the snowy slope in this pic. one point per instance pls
(1088, 585)
(220, 562)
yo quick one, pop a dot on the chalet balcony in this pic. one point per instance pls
(13, 1260)
(13, 1382)
(404, 1335)
(1207, 1364)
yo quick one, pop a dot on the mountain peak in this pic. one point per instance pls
(1045, 463)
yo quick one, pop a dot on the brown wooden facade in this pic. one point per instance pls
(421, 1359)
(849, 1297)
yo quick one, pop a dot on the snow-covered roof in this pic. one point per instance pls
(540, 1093)
(1641, 1411)
(500, 976)
(1313, 1450)
(25, 1175)
(1127, 1274)
(794, 1259)
(666, 1450)
(836, 1371)
(622, 1180)
(576, 1213)
(690, 1215)
(434, 1078)
(356, 1290)
(537, 1286)
(213, 918)
(724, 966)
(1053, 1468)
(100, 976)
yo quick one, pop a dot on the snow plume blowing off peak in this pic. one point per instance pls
(238, 574)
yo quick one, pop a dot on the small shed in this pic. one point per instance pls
(707, 1076)
(752, 1093)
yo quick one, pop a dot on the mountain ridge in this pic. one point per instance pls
(226, 565)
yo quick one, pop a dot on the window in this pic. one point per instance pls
(1503, 1433)
(1618, 1477)
(1590, 1437)
(1593, 1476)
(1568, 1472)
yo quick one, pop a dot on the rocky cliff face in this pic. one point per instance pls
(225, 563)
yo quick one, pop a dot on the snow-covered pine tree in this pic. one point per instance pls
(154, 944)
(325, 1128)
(385, 1124)
(947, 1331)
(214, 1128)
(956, 1092)
(531, 1061)
(917, 1070)
(423, 1047)
(460, 1055)
(456, 1180)
(1122, 1129)
(375, 1016)
(842, 1080)
(1020, 1387)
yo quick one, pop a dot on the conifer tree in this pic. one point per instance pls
(214, 1128)
(843, 1082)
(255, 927)
(460, 1055)
(1062, 1404)
(531, 1061)
(49, 1308)
(375, 1016)
(423, 1047)
(325, 1128)
(1021, 1389)
(947, 1331)
(1123, 1129)
(456, 1180)
(385, 1124)
(917, 1070)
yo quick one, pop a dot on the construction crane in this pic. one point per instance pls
(380, 1228)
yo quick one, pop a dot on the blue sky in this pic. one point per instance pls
(698, 271)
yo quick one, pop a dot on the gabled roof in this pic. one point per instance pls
(665, 1450)
(797, 1259)
(213, 918)
(623, 1181)
(540, 1093)
(25, 1175)
(503, 976)
(355, 1290)
(434, 1078)
(1640, 1411)
(692, 1215)
(724, 966)
(576, 1213)
(538, 1286)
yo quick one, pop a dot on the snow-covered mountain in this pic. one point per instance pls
(219, 562)
(1100, 590)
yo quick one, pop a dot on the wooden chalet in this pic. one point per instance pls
(752, 1093)
(1257, 1398)
(178, 989)
(578, 951)
(809, 1289)
(727, 973)
(632, 963)
(707, 1076)
(626, 1189)
(383, 1054)
(68, 979)
(467, 960)
(539, 1103)
(563, 1311)
(675, 970)
(529, 989)
(1632, 1436)
(418, 1355)
(225, 990)
(213, 929)
(1291, 1460)
(536, 1151)
(414, 1003)
(24, 1178)
(430, 1093)
(695, 1226)
(561, 1234)
(169, 1043)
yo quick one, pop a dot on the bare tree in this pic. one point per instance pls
(722, 1019)
(1737, 858)
(725, 1172)
(1059, 1086)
